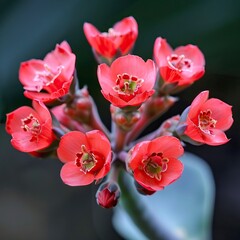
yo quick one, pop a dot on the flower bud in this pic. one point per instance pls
(80, 108)
(125, 119)
(108, 194)
(158, 105)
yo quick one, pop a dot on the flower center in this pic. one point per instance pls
(127, 84)
(111, 33)
(48, 75)
(179, 62)
(205, 121)
(32, 125)
(85, 160)
(154, 165)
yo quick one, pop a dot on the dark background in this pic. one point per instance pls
(34, 203)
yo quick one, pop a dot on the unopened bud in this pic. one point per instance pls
(125, 119)
(108, 194)
(158, 105)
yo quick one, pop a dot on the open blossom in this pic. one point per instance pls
(87, 157)
(31, 128)
(207, 120)
(155, 163)
(119, 39)
(129, 81)
(181, 66)
(50, 78)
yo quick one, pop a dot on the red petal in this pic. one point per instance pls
(188, 77)
(170, 75)
(90, 32)
(147, 182)
(14, 119)
(216, 138)
(104, 77)
(28, 71)
(22, 141)
(106, 168)
(103, 45)
(72, 176)
(126, 25)
(191, 52)
(43, 112)
(66, 46)
(170, 146)
(43, 97)
(128, 30)
(150, 76)
(221, 111)
(161, 50)
(98, 142)
(197, 103)
(115, 100)
(134, 65)
(140, 98)
(61, 57)
(70, 144)
(137, 154)
(174, 171)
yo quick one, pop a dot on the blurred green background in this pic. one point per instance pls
(34, 203)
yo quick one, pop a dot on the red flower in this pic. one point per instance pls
(87, 157)
(50, 78)
(155, 163)
(31, 129)
(207, 120)
(120, 38)
(182, 66)
(128, 81)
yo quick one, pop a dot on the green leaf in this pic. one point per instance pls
(184, 208)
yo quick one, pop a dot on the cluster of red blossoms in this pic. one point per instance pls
(64, 120)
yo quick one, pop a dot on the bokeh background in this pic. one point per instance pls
(34, 203)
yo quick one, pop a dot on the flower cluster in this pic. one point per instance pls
(64, 120)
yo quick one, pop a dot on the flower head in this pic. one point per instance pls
(119, 39)
(207, 119)
(155, 163)
(50, 78)
(129, 81)
(31, 128)
(181, 66)
(87, 157)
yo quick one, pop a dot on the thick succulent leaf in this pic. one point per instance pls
(184, 208)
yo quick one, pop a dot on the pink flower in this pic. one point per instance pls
(120, 38)
(155, 163)
(182, 66)
(31, 129)
(129, 81)
(207, 120)
(87, 157)
(50, 78)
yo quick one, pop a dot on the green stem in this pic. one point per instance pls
(140, 215)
